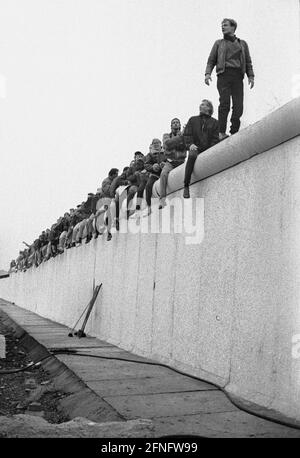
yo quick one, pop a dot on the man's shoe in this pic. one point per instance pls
(109, 236)
(186, 192)
(222, 136)
(162, 204)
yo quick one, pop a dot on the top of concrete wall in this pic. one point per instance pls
(276, 128)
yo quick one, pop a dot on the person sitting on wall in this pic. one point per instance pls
(75, 219)
(87, 218)
(118, 198)
(37, 252)
(105, 201)
(78, 218)
(53, 240)
(143, 176)
(19, 260)
(65, 224)
(12, 266)
(25, 260)
(31, 256)
(137, 155)
(154, 164)
(48, 253)
(175, 152)
(90, 208)
(200, 133)
(43, 244)
(136, 179)
(91, 226)
(71, 224)
(232, 59)
(175, 131)
(58, 229)
(101, 208)
(107, 182)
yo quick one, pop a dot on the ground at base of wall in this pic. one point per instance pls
(28, 392)
(30, 404)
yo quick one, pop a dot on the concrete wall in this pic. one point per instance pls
(225, 309)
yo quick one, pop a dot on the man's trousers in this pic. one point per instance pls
(189, 167)
(164, 179)
(230, 86)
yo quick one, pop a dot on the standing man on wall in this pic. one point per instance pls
(232, 59)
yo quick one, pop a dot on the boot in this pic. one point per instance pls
(186, 192)
(222, 136)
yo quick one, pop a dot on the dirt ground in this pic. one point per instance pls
(30, 404)
(27, 392)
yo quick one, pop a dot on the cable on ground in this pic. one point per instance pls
(57, 351)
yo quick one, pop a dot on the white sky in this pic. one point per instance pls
(85, 83)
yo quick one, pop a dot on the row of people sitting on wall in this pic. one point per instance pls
(101, 210)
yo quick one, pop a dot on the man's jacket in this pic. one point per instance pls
(217, 58)
(118, 181)
(151, 159)
(134, 171)
(202, 131)
(76, 218)
(87, 207)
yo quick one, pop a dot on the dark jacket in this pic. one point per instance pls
(121, 180)
(151, 159)
(86, 209)
(61, 226)
(134, 172)
(202, 131)
(54, 234)
(217, 58)
(37, 244)
(75, 218)
(43, 239)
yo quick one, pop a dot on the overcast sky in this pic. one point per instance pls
(85, 83)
